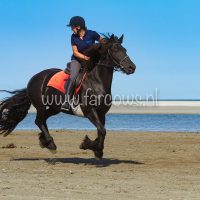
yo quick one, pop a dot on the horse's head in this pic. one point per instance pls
(117, 55)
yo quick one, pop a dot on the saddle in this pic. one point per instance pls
(58, 80)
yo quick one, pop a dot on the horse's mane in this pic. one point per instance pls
(97, 50)
(94, 49)
(108, 36)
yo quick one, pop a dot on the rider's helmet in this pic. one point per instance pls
(77, 21)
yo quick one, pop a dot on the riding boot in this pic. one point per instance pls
(69, 89)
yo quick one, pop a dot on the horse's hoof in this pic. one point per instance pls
(82, 146)
(41, 145)
(98, 155)
(53, 151)
(86, 143)
(97, 158)
(50, 146)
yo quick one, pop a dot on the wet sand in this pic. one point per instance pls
(135, 166)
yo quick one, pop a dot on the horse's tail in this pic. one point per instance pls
(13, 110)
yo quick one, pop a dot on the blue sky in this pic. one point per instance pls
(162, 38)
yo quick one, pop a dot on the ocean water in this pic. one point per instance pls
(119, 122)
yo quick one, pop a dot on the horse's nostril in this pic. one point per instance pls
(133, 67)
(130, 67)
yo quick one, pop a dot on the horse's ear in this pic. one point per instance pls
(112, 38)
(121, 39)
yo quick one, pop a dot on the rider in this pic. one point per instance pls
(81, 39)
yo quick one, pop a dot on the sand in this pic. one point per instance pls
(135, 166)
(150, 107)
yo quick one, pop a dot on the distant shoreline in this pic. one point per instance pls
(151, 107)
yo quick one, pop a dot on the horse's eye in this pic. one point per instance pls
(115, 48)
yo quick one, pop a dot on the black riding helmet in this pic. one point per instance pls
(77, 21)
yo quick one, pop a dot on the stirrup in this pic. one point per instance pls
(66, 106)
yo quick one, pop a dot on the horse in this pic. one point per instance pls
(105, 58)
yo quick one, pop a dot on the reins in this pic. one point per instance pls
(114, 60)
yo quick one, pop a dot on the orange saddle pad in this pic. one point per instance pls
(58, 80)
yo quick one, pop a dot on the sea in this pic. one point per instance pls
(121, 122)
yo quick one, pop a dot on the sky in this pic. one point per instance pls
(162, 37)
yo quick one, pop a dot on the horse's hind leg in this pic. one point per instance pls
(45, 139)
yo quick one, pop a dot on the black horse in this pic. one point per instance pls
(94, 96)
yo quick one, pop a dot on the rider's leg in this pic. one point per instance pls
(70, 83)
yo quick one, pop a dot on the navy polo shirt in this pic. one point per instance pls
(82, 44)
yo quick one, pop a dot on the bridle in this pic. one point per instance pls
(114, 60)
(120, 62)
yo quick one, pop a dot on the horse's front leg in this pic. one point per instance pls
(98, 144)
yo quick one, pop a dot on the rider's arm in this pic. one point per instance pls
(98, 38)
(78, 54)
(102, 40)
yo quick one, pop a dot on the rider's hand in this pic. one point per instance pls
(102, 41)
(86, 58)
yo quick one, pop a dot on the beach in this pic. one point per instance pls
(136, 165)
(156, 107)
(152, 107)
